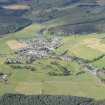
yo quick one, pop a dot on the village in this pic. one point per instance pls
(41, 47)
(35, 49)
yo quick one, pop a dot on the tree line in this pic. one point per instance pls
(19, 99)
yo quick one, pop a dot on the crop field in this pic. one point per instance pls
(14, 44)
(82, 47)
(39, 81)
(95, 44)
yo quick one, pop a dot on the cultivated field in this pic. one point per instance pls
(77, 46)
(14, 44)
(95, 43)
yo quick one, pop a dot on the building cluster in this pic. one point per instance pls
(13, 61)
(3, 77)
(37, 48)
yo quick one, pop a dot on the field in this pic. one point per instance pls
(77, 46)
(16, 7)
(14, 44)
(102, 2)
(94, 43)
(39, 82)
(29, 88)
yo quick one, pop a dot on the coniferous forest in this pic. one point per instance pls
(18, 99)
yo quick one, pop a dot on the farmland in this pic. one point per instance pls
(39, 81)
(13, 44)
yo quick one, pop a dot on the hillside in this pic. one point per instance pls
(12, 24)
(10, 19)
(59, 16)
(70, 16)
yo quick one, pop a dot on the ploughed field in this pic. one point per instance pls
(65, 72)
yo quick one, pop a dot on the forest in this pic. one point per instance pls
(18, 99)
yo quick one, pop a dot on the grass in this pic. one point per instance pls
(77, 47)
(39, 82)
(28, 32)
(100, 63)
(29, 88)
(82, 87)
(102, 75)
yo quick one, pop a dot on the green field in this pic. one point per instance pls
(100, 63)
(39, 82)
(76, 47)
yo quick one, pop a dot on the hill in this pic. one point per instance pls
(74, 66)
(12, 24)
(60, 16)
(10, 17)
(70, 16)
